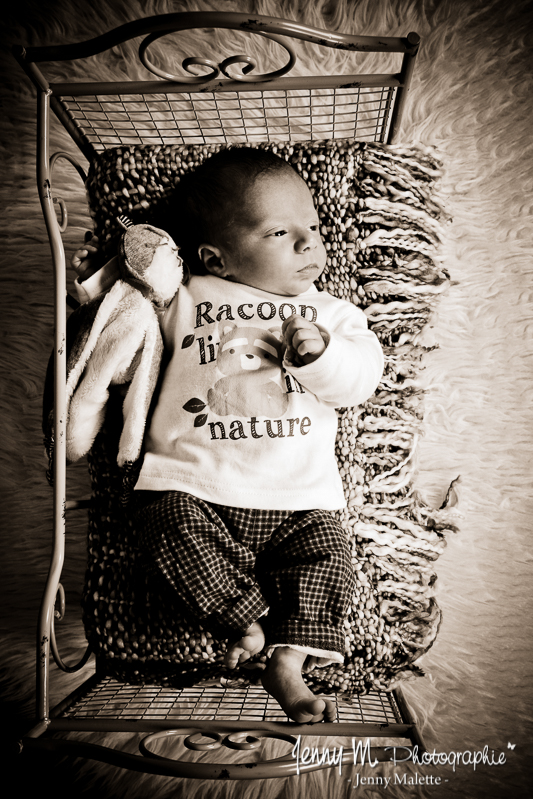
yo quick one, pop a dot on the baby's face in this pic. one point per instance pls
(275, 243)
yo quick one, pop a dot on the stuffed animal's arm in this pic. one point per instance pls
(139, 395)
(112, 361)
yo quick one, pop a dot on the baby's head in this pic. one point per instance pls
(246, 215)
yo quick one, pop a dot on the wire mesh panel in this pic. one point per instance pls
(376, 707)
(113, 700)
(246, 116)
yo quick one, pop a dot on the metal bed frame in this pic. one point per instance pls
(230, 103)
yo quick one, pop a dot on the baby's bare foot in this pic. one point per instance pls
(283, 680)
(314, 662)
(250, 644)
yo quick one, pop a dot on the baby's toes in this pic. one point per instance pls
(330, 711)
(232, 656)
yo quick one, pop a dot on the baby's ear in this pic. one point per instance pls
(211, 257)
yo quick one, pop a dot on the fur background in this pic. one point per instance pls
(471, 97)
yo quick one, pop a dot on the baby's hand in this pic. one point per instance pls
(303, 339)
(84, 261)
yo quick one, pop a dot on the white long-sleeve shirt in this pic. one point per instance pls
(235, 423)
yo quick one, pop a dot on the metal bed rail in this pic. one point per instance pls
(209, 717)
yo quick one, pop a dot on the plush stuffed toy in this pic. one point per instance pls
(123, 344)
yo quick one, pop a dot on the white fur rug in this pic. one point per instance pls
(472, 98)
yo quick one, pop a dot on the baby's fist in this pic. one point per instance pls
(303, 339)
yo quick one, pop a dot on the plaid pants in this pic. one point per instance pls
(229, 566)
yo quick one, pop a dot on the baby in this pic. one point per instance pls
(235, 498)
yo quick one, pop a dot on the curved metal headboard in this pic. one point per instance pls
(234, 74)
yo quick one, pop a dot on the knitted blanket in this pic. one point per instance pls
(381, 220)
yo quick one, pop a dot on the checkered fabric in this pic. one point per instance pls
(229, 566)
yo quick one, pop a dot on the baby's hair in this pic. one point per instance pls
(205, 202)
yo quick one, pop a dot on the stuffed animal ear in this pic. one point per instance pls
(137, 249)
(149, 261)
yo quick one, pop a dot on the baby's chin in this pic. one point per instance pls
(288, 289)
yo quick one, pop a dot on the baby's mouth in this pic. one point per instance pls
(308, 268)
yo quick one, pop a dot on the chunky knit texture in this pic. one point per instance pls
(381, 221)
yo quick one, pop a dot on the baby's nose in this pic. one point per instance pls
(307, 242)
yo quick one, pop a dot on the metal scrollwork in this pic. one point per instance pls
(195, 742)
(215, 69)
(63, 223)
(242, 739)
(191, 742)
(59, 615)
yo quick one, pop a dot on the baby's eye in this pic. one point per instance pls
(280, 233)
(313, 227)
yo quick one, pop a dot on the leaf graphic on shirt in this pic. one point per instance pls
(200, 420)
(194, 405)
(187, 341)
